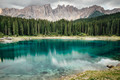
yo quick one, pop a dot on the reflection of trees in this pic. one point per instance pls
(40, 47)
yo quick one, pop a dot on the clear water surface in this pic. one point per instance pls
(49, 59)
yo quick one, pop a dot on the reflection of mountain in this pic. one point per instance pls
(63, 47)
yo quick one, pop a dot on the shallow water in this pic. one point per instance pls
(52, 58)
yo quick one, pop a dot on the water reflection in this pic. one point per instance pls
(43, 47)
(55, 58)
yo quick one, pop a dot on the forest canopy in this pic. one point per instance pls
(103, 25)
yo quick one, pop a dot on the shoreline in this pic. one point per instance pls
(92, 38)
(110, 73)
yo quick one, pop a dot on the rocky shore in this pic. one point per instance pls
(22, 38)
(112, 73)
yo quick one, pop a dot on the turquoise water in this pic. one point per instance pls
(47, 59)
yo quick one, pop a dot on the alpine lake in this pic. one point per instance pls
(50, 59)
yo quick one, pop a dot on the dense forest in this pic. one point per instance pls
(103, 25)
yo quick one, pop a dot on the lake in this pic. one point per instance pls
(49, 59)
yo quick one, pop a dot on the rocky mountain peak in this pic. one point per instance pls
(38, 7)
(60, 7)
(47, 5)
(67, 12)
(96, 8)
(0, 10)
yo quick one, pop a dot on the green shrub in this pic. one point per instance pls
(1, 34)
(82, 34)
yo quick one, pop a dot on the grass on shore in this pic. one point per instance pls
(23, 38)
(112, 74)
(69, 37)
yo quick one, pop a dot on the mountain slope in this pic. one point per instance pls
(61, 12)
(96, 14)
(100, 18)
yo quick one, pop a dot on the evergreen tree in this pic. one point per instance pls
(14, 28)
(103, 25)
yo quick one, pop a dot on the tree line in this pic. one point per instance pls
(103, 25)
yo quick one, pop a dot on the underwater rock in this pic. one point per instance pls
(44, 72)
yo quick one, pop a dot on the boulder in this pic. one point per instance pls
(110, 66)
(118, 65)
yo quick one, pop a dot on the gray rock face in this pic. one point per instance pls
(68, 13)
(118, 65)
(61, 12)
(0, 10)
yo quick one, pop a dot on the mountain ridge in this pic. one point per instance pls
(61, 12)
(96, 14)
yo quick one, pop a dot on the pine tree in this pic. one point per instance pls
(13, 28)
(69, 28)
(21, 29)
(9, 28)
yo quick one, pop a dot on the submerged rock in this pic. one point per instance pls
(44, 72)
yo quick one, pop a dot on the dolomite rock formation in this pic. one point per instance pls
(61, 12)
(0, 10)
